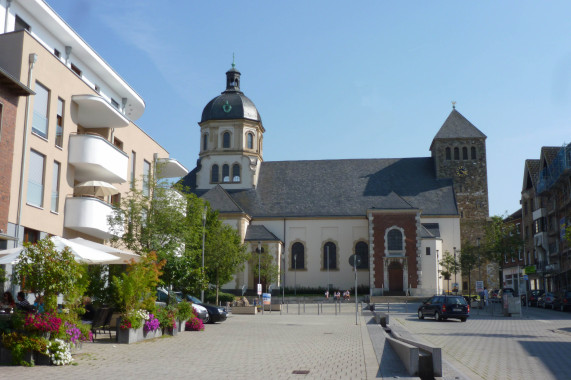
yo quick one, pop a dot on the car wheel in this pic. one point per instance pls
(207, 319)
(436, 316)
(420, 315)
(463, 319)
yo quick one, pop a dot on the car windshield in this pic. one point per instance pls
(193, 299)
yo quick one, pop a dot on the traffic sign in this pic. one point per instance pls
(259, 289)
(352, 260)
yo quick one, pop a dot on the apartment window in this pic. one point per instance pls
(226, 140)
(297, 256)
(464, 153)
(250, 140)
(114, 103)
(97, 89)
(55, 187)
(146, 178)
(329, 256)
(21, 24)
(118, 143)
(57, 53)
(116, 199)
(76, 69)
(225, 173)
(133, 161)
(235, 173)
(31, 236)
(36, 179)
(473, 152)
(40, 120)
(214, 174)
(59, 123)
(362, 250)
(427, 251)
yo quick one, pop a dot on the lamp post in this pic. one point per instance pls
(455, 270)
(437, 274)
(259, 250)
(284, 266)
(203, 233)
(295, 274)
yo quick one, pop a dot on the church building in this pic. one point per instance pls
(398, 215)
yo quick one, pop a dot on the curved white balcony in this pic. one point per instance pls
(89, 216)
(170, 168)
(95, 158)
(94, 112)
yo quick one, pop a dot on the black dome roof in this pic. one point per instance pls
(232, 103)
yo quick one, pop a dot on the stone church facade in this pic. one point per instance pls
(397, 215)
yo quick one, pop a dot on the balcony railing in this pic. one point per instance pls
(551, 174)
(88, 215)
(95, 158)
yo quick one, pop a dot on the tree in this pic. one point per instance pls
(450, 265)
(224, 253)
(468, 261)
(47, 272)
(269, 270)
(501, 240)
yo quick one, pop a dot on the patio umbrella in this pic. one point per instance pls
(122, 256)
(82, 254)
(96, 188)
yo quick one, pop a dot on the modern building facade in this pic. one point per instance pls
(76, 124)
(398, 215)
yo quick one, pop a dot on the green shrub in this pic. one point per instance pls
(185, 310)
(222, 297)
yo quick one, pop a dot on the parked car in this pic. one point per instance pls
(563, 302)
(200, 311)
(493, 295)
(215, 313)
(534, 296)
(444, 307)
(546, 300)
(506, 291)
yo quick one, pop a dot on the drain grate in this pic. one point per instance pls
(301, 372)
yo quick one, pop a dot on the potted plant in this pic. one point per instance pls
(184, 313)
(167, 319)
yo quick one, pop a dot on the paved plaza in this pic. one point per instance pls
(536, 345)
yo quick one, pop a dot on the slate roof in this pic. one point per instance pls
(457, 126)
(549, 153)
(429, 230)
(223, 201)
(533, 169)
(259, 233)
(336, 188)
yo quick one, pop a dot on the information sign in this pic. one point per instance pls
(259, 289)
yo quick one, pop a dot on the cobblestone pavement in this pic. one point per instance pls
(534, 345)
(270, 346)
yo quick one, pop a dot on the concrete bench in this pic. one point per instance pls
(244, 310)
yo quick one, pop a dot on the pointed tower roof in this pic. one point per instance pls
(457, 126)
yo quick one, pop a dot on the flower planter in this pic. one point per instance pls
(181, 325)
(6, 357)
(128, 336)
(41, 359)
(152, 334)
(172, 330)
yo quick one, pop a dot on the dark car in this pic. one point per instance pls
(444, 307)
(546, 300)
(563, 302)
(199, 311)
(493, 296)
(534, 296)
(215, 313)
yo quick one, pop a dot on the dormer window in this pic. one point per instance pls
(226, 140)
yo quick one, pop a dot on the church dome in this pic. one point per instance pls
(232, 103)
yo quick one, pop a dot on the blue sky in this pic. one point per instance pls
(338, 79)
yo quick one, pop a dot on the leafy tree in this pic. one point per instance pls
(501, 239)
(451, 266)
(468, 261)
(47, 272)
(224, 253)
(269, 270)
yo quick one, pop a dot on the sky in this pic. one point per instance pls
(338, 79)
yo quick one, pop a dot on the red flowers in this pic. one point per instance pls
(45, 322)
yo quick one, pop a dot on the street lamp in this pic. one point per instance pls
(259, 255)
(203, 233)
(455, 270)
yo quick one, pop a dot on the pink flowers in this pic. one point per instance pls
(45, 322)
(75, 334)
(194, 324)
(152, 324)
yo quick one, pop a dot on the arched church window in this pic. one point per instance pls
(250, 140)
(456, 153)
(225, 173)
(297, 256)
(362, 250)
(235, 173)
(205, 142)
(394, 238)
(473, 151)
(226, 140)
(448, 154)
(464, 153)
(329, 256)
(214, 174)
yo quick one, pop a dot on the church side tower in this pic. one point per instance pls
(231, 139)
(459, 152)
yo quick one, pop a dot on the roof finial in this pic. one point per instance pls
(233, 64)
(454, 104)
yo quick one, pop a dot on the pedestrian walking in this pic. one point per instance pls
(485, 296)
(327, 294)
